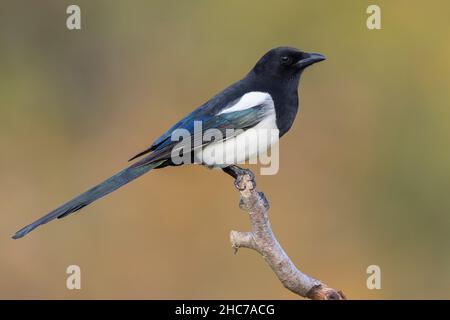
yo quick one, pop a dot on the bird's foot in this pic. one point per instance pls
(239, 174)
(240, 182)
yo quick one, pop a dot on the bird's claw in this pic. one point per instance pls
(239, 182)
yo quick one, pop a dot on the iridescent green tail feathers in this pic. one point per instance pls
(91, 195)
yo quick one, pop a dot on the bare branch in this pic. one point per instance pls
(262, 240)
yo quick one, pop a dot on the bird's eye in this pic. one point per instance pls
(286, 60)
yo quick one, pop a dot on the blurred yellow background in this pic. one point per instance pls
(365, 171)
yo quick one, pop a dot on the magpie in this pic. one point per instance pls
(266, 98)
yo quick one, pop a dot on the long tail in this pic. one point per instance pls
(95, 193)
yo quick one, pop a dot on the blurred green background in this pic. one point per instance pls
(365, 171)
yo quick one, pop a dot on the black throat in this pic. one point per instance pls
(284, 93)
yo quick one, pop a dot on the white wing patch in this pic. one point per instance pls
(250, 100)
(248, 144)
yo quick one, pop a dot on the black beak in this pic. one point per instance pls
(310, 59)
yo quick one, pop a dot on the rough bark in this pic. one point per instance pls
(262, 240)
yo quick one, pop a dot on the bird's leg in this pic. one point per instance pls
(238, 174)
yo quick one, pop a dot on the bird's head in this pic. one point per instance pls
(285, 62)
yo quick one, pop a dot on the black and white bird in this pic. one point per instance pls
(265, 99)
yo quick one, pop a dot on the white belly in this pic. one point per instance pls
(246, 146)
